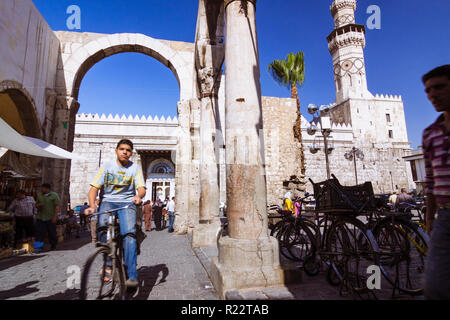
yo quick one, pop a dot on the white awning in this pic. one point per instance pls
(12, 140)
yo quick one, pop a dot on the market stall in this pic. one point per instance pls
(20, 169)
(11, 181)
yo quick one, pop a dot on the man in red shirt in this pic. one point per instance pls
(436, 146)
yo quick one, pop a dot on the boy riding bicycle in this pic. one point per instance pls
(120, 179)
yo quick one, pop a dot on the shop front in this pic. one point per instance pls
(20, 169)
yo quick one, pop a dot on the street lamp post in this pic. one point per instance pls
(352, 155)
(322, 118)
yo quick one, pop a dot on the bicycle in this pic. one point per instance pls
(294, 233)
(106, 262)
(343, 242)
(299, 235)
(403, 247)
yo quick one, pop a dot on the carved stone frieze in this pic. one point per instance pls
(342, 4)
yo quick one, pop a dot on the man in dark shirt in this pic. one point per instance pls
(404, 200)
(157, 213)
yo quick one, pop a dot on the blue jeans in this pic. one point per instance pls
(171, 220)
(127, 221)
(437, 268)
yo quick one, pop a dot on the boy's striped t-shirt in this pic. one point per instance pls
(119, 183)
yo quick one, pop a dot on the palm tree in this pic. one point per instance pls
(290, 73)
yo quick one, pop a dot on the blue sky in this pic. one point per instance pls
(414, 38)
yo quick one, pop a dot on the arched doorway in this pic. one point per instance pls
(160, 179)
(18, 109)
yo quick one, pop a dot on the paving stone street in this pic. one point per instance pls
(168, 270)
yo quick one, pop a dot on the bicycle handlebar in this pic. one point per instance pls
(409, 204)
(112, 210)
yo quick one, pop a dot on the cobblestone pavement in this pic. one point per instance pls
(305, 288)
(168, 270)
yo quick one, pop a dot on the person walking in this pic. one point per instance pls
(171, 212)
(119, 180)
(93, 220)
(157, 213)
(24, 210)
(72, 224)
(48, 205)
(403, 200)
(147, 211)
(392, 200)
(165, 215)
(436, 147)
(83, 216)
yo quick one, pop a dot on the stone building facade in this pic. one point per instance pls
(155, 140)
(41, 71)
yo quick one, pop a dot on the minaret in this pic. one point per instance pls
(346, 44)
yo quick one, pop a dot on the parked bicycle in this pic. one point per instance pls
(403, 248)
(294, 232)
(344, 244)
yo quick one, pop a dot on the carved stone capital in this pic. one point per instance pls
(208, 81)
(227, 2)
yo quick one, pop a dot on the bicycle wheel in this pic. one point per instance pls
(403, 248)
(300, 241)
(351, 250)
(277, 228)
(93, 284)
(312, 264)
(334, 276)
(283, 241)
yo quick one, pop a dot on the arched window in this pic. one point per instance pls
(162, 168)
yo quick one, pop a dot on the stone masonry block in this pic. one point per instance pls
(93, 47)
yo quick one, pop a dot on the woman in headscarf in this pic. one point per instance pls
(287, 202)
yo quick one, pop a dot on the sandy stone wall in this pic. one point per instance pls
(282, 152)
(96, 138)
(29, 51)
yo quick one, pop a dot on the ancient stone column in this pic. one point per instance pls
(209, 57)
(248, 257)
(205, 232)
(182, 165)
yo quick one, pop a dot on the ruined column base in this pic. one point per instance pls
(205, 235)
(245, 264)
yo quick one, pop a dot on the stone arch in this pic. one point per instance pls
(25, 105)
(84, 58)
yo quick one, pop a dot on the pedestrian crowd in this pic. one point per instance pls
(36, 217)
